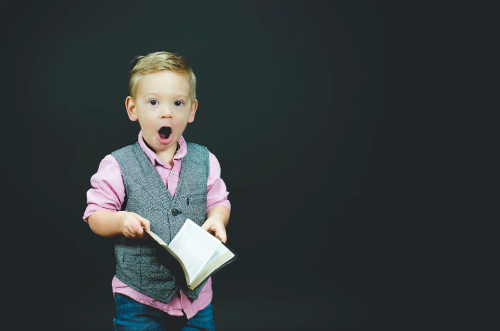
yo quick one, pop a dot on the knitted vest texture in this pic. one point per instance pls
(137, 263)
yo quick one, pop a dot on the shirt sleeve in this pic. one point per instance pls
(108, 190)
(216, 188)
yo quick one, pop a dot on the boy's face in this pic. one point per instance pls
(163, 108)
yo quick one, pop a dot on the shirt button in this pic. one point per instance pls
(172, 173)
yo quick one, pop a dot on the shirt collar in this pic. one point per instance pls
(181, 152)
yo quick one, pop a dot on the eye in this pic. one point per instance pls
(178, 103)
(153, 102)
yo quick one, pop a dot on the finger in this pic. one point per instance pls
(128, 231)
(145, 223)
(129, 234)
(207, 225)
(221, 234)
(144, 235)
(137, 228)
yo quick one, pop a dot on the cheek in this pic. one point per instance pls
(181, 117)
(179, 122)
(147, 123)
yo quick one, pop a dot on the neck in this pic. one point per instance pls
(166, 156)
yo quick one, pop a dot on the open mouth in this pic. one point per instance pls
(165, 135)
(165, 132)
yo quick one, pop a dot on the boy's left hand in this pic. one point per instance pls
(215, 226)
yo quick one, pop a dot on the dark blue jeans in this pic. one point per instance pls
(132, 315)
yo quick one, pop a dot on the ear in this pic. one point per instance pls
(131, 110)
(194, 107)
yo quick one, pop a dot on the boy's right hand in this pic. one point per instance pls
(131, 225)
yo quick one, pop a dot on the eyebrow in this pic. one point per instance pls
(175, 95)
(151, 93)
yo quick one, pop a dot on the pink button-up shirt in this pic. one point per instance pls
(108, 192)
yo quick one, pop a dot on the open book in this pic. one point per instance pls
(199, 253)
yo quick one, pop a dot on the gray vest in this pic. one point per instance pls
(137, 263)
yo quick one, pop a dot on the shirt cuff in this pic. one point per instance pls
(225, 203)
(91, 208)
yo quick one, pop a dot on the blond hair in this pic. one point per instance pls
(159, 61)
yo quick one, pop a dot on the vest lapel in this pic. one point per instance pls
(151, 168)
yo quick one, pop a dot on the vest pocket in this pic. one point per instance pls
(156, 281)
(197, 208)
(154, 273)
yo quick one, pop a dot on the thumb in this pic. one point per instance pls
(220, 233)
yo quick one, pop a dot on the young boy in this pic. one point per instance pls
(156, 184)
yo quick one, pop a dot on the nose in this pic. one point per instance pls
(166, 112)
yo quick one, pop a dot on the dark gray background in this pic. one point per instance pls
(315, 112)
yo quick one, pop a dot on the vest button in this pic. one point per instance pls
(175, 212)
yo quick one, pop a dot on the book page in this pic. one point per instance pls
(220, 250)
(164, 245)
(221, 256)
(194, 246)
(155, 237)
